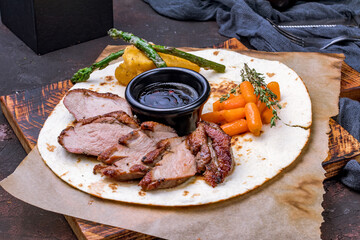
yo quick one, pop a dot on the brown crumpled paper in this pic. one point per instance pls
(286, 207)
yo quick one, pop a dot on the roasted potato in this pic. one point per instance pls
(136, 62)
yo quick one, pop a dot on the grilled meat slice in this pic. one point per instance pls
(124, 158)
(158, 131)
(84, 103)
(92, 136)
(162, 147)
(221, 165)
(176, 166)
(198, 144)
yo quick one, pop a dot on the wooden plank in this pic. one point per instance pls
(350, 83)
(342, 148)
(27, 111)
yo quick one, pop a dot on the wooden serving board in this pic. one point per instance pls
(27, 111)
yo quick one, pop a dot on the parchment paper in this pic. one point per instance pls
(286, 207)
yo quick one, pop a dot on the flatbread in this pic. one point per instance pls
(258, 159)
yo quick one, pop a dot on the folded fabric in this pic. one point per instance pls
(246, 19)
(350, 175)
(349, 119)
(349, 116)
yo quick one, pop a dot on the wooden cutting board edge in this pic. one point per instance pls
(89, 230)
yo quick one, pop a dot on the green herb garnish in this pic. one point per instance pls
(265, 94)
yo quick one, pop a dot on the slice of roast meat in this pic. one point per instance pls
(221, 165)
(91, 136)
(84, 103)
(124, 158)
(198, 144)
(158, 131)
(176, 166)
(162, 147)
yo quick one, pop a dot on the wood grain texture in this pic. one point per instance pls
(350, 83)
(26, 112)
(342, 148)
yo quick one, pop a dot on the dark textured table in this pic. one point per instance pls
(22, 69)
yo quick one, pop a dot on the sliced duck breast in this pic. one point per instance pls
(93, 135)
(84, 103)
(176, 166)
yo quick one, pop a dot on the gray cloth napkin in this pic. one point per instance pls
(349, 119)
(246, 19)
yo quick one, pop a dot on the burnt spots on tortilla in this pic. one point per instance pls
(270, 74)
(109, 78)
(301, 198)
(195, 195)
(185, 193)
(142, 193)
(50, 148)
(113, 186)
(222, 88)
(216, 53)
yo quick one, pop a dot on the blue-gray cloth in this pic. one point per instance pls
(349, 119)
(246, 19)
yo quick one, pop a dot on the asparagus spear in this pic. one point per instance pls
(202, 62)
(140, 43)
(83, 74)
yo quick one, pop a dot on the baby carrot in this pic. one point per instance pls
(261, 106)
(214, 117)
(236, 127)
(234, 114)
(235, 102)
(275, 88)
(267, 115)
(247, 90)
(253, 118)
(217, 106)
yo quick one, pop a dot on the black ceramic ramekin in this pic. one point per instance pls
(183, 119)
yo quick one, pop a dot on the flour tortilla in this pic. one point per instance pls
(258, 159)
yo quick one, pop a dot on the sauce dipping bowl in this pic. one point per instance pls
(182, 118)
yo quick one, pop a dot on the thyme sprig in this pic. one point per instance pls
(226, 96)
(260, 88)
(265, 94)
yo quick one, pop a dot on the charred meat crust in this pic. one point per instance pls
(136, 172)
(155, 126)
(124, 158)
(161, 147)
(112, 117)
(147, 183)
(221, 166)
(198, 144)
(88, 92)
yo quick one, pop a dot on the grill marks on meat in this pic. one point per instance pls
(158, 131)
(84, 103)
(198, 143)
(176, 166)
(93, 135)
(125, 157)
(162, 147)
(221, 165)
